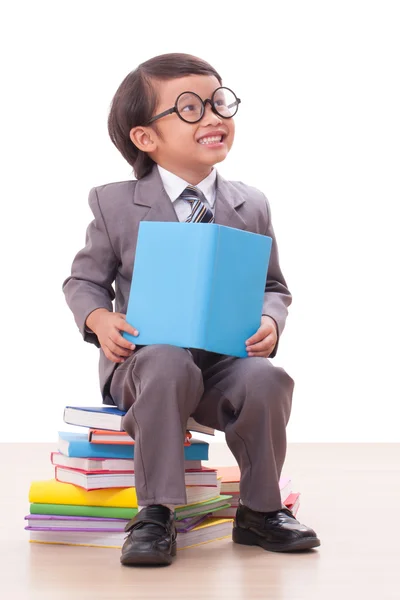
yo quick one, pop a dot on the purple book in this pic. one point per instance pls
(98, 525)
(77, 529)
(190, 523)
(73, 518)
(64, 523)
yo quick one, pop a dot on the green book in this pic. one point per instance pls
(104, 512)
(183, 512)
(202, 508)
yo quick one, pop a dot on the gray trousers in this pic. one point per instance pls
(249, 399)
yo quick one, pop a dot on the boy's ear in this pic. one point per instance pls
(143, 138)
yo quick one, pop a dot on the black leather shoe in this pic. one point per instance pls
(278, 531)
(151, 537)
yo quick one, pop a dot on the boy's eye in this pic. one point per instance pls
(188, 108)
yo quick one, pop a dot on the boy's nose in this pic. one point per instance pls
(210, 117)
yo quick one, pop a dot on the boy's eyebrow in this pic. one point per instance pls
(200, 95)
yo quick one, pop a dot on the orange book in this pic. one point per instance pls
(229, 474)
(230, 483)
(103, 436)
(230, 479)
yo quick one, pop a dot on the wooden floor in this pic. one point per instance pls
(350, 496)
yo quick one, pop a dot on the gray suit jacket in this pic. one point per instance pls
(102, 270)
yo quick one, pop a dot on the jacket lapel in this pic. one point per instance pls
(228, 200)
(150, 193)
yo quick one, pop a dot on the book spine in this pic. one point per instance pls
(206, 260)
(211, 287)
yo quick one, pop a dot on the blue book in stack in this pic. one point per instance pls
(78, 445)
(197, 285)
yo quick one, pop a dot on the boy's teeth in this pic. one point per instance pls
(210, 140)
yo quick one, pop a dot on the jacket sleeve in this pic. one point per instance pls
(277, 297)
(93, 272)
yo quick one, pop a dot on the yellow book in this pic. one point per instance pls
(56, 492)
(52, 491)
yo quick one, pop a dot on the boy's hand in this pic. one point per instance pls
(108, 327)
(264, 340)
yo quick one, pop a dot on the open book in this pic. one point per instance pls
(197, 285)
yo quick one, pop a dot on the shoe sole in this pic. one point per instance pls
(248, 538)
(148, 558)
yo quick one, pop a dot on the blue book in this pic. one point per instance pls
(197, 285)
(95, 417)
(77, 445)
(110, 417)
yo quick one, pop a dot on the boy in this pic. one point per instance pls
(171, 119)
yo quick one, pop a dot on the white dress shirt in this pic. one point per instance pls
(175, 185)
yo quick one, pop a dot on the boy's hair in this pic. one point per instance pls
(136, 98)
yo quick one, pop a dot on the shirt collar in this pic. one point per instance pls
(175, 185)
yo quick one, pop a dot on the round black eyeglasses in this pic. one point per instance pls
(191, 108)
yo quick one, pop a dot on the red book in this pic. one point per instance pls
(106, 465)
(89, 480)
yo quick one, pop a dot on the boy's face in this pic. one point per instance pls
(182, 147)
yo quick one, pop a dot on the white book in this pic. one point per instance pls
(110, 417)
(97, 481)
(197, 494)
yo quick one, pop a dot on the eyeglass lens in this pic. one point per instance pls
(191, 108)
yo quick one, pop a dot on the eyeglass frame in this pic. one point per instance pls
(174, 109)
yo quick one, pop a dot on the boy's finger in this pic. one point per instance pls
(265, 343)
(117, 348)
(120, 341)
(257, 337)
(263, 354)
(124, 326)
(260, 347)
(112, 356)
(266, 351)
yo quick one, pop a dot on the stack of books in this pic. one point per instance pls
(92, 496)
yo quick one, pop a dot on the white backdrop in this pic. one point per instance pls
(318, 131)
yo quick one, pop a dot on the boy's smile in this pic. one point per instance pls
(213, 139)
(190, 150)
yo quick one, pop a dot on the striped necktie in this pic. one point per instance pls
(200, 213)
